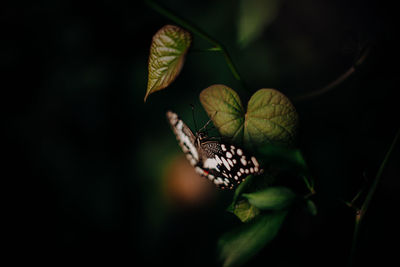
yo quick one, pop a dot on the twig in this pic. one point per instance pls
(337, 81)
(361, 212)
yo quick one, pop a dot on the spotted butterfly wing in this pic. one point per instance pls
(223, 164)
(185, 137)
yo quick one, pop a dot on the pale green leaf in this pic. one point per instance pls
(270, 117)
(167, 54)
(225, 109)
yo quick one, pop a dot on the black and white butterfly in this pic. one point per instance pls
(224, 164)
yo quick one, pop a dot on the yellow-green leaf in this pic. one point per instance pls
(245, 211)
(225, 109)
(270, 117)
(167, 55)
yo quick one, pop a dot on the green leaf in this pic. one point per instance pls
(225, 109)
(270, 116)
(239, 245)
(311, 207)
(250, 184)
(239, 190)
(271, 198)
(254, 17)
(167, 54)
(245, 211)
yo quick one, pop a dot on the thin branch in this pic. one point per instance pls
(372, 190)
(361, 212)
(337, 81)
(196, 30)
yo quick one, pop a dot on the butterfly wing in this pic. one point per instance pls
(226, 165)
(184, 136)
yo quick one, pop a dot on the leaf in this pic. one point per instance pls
(245, 211)
(167, 54)
(271, 198)
(225, 109)
(311, 207)
(239, 245)
(254, 17)
(239, 190)
(270, 116)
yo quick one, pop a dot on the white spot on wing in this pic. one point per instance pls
(218, 159)
(255, 162)
(210, 163)
(230, 162)
(243, 161)
(226, 164)
(228, 155)
(239, 152)
(223, 147)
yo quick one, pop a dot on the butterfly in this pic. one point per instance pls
(223, 164)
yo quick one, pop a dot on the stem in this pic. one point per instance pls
(337, 81)
(361, 213)
(196, 30)
(372, 190)
(355, 238)
(310, 186)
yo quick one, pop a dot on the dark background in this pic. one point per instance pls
(87, 157)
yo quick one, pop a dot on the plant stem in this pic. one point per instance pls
(337, 81)
(196, 30)
(361, 212)
(310, 186)
(355, 238)
(378, 176)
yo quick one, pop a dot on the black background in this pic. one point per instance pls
(81, 143)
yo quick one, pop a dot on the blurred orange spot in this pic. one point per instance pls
(184, 187)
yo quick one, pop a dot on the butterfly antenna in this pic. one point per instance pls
(194, 119)
(208, 122)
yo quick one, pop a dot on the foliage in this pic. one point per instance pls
(270, 117)
(267, 127)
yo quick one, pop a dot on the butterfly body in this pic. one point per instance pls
(224, 164)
